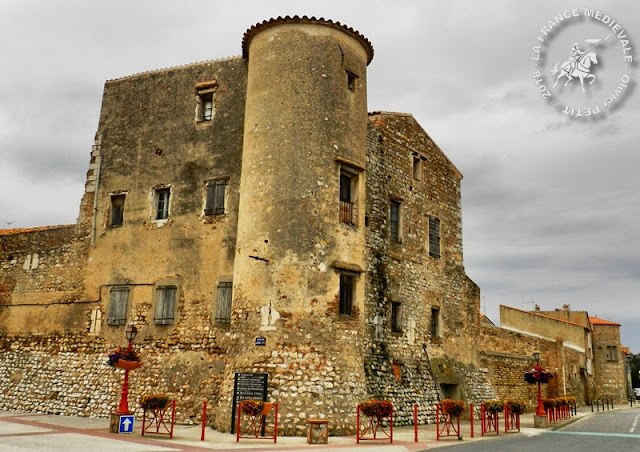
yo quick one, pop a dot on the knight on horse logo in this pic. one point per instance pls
(579, 63)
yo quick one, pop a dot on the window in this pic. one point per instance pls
(348, 190)
(347, 286)
(434, 237)
(215, 197)
(117, 210)
(351, 81)
(162, 203)
(434, 326)
(612, 353)
(223, 306)
(396, 317)
(165, 305)
(118, 300)
(205, 107)
(417, 167)
(394, 221)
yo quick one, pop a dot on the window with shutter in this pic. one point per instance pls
(118, 301)
(165, 305)
(223, 306)
(394, 221)
(216, 190)
(434, 237)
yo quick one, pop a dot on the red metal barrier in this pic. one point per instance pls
(258, 423)
(374, 427)
(447, 424)
(157, 419)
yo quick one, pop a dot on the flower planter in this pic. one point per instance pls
(127, 365)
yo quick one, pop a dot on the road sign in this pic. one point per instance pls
(126, 423)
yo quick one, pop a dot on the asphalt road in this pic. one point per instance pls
(617, 430)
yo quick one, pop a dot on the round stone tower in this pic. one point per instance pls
(299, 263)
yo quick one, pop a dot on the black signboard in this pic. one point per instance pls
(247, 386)
(261, 341)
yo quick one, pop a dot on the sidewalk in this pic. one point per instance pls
(39, 432)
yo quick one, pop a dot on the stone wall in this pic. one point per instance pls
(610, 376)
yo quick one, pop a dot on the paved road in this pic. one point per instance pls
(617, 430)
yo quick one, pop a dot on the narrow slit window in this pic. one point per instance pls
(434, 237)
(117, 210)
(396, 317)
(394, 221)
(435, 323)
(351, 81)
(417, 168)
(348, 190)
(347, 286)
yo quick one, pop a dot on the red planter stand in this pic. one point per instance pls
(489, 422)
(445, 425)
(256, 427)
(511, 420)
(374, 429)
(155, 421)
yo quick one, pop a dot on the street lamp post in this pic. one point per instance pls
(540, 408)
(130, 332)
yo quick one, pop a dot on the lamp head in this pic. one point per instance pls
(536, 355)
(131, 332)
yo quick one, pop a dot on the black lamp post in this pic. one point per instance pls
(130, 333)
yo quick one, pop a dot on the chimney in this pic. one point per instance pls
(537, 308)
(565, 308)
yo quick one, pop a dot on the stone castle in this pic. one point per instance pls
(249, 215)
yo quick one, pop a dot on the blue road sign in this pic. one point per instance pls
(126, 423)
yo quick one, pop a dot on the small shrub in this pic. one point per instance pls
(154, 401)
(517, 406)
(377, 408)
(252, 407)
(454, 408)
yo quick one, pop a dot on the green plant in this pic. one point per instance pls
(494, 406)
(549, 403)
(454, 408)
(517, 406)
(154, 401)
(377, 408)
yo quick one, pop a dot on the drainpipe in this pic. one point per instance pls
(95, 203)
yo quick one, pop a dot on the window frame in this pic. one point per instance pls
(118, 306)
(612, 353)
(417, 167)
(161, 311)
(117, 209)
(347, 293)
(204, 98)
(224, 300)
(216, 194)
(435, 329)
(352, 80)
(158, 198)
(348, 195)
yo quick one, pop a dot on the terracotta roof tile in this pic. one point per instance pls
(598, 321)
(626, 350)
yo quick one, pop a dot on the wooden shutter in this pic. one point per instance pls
(118, 301)
(394, 221)
(434, 237)
(215, 197)
(223, 306)
(165, 305)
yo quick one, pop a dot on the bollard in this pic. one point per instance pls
(204, 418)
(471, 417)
(415, 423)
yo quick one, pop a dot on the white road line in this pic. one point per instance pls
(633, 426)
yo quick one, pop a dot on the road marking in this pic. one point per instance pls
(633, 426)
(617, 435)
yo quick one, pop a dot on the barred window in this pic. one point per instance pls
(165, 305)
(216, 190)
(118, 301)
(223, 306)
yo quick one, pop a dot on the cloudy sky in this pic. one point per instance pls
(551, 204)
